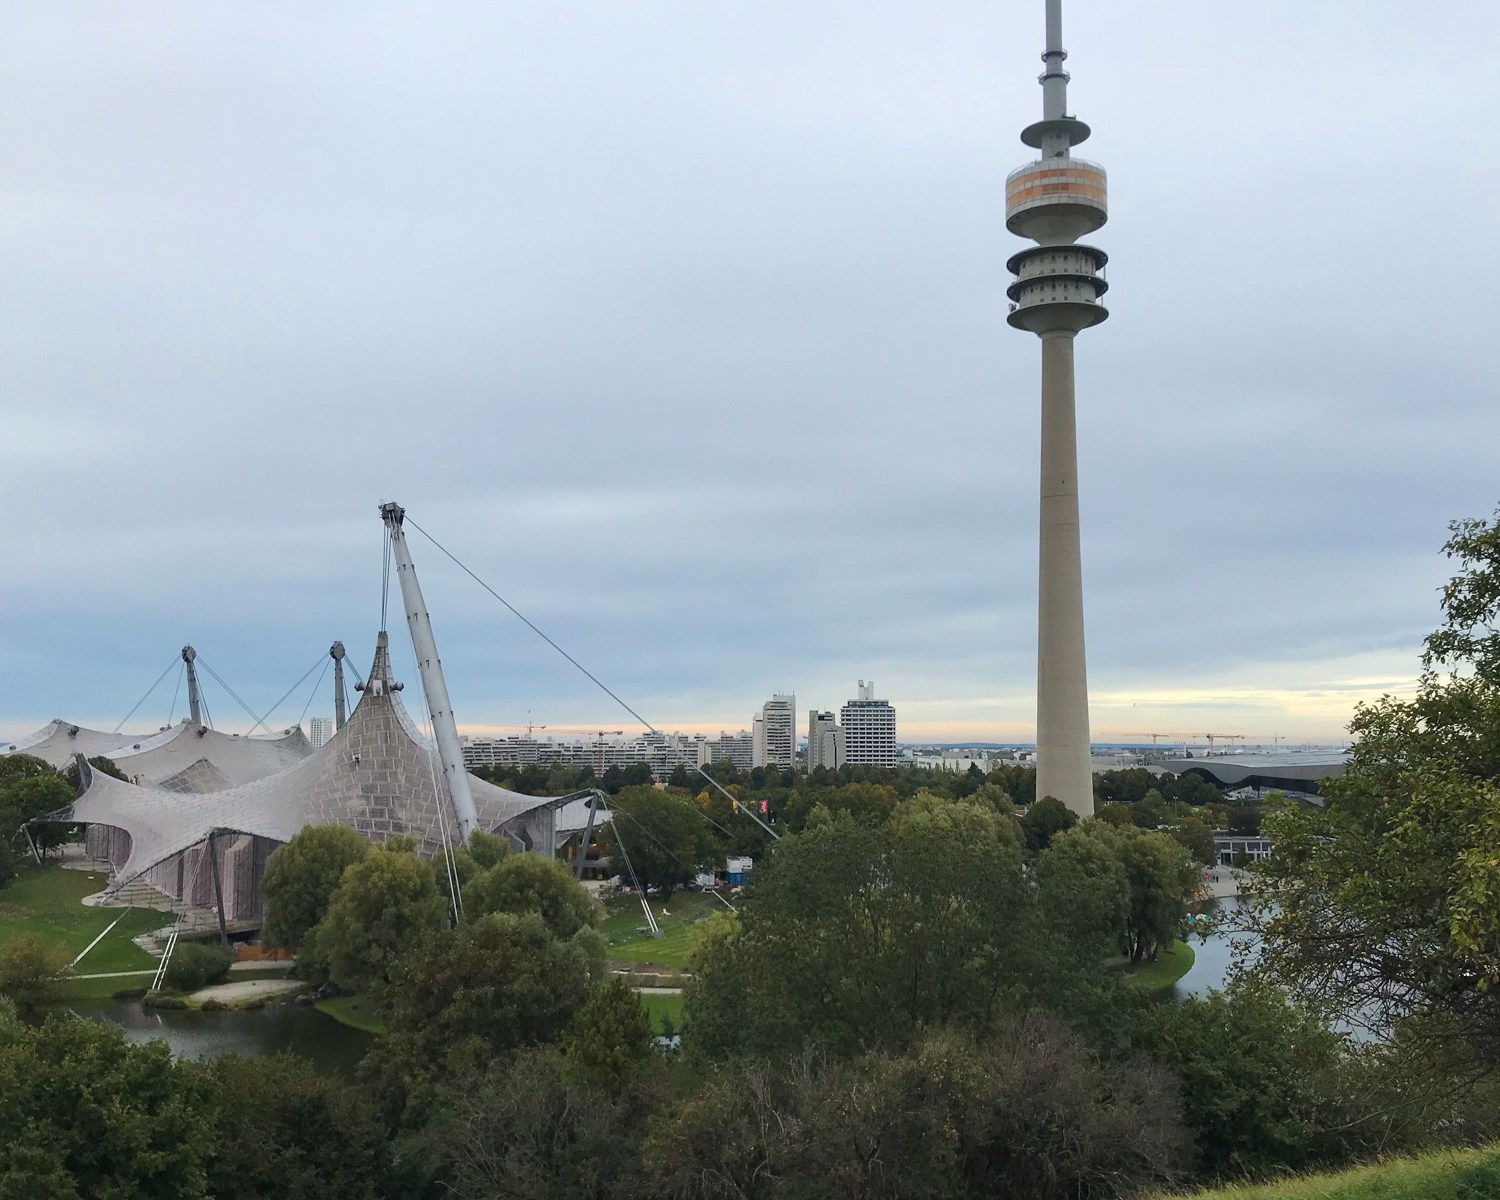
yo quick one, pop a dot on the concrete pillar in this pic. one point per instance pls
(1062, 690)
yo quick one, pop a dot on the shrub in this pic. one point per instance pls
(195, 965)
(34, 971)
(212, 1005)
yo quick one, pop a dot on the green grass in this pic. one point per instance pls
(1442, 1175)
(49, 901)
(629, 941)
(354, 1011)
(660, 1007)
(1171, 965)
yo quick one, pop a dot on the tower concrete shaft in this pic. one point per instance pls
(1062, 689)
(1054, 201)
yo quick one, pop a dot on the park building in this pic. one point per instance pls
(869, 729)
(825, 741)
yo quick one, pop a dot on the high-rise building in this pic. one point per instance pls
(774, 730)
(737, 748)
(319, 730)
(869, 729)
(1055, 200)
(825, 741)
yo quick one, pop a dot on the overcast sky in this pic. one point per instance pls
(684, 326)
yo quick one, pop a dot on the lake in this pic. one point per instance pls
(281, 1026)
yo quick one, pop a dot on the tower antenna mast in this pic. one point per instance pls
(1055, 200)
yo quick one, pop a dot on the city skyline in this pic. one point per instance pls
(513, 291)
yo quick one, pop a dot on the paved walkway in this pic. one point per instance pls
(244, 988)
(239, 966)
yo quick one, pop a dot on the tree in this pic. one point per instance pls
(854, 936)
(1265, 1085)
(1385, 904)
(88, 1114)
(523, 883)
(1196, 837)
(525, 1128)
(1044, 820)
(609, 1037)
(29, 796)
(34, 971)
(461, 997)
(301, 878)
(9, 860)
(665, 837)
(197, 965)
(1025, 1112)
(281, 1130)
(1160, 874)
(1245, 819)
(22, 766)
(385, 905)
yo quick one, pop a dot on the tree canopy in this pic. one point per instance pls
(302, 876)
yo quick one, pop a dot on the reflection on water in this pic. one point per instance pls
(1214, 956)
(332, 1048)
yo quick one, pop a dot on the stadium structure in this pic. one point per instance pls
(202, 811)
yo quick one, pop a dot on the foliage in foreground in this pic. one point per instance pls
(1472, 1174)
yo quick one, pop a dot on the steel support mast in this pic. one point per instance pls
(195, 705)
(336, 652)
(424, 645)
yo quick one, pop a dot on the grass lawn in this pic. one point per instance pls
(49, 900)
(630, 941)
(1444, 1175)
(354, 1011)
(663, 1007)
(1170, 966)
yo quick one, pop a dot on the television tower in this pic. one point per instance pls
(1054, 201)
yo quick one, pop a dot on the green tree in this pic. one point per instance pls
(523, 883)
(385, 905)
(284, 1132)
(1161, 876)
(854, 936)
(461, 997)
(197, 965)
(1196, 837)
(34, 971)
(665, 837)
(1265, 1086)
(88, 1114)
(526, 1128)
(1044, 820)
(301, 878)
(9, 860)
(1385, 904)
(22, 766)
(1025, 1112)
(609, 1037)
(1245, 819)
(29, 796)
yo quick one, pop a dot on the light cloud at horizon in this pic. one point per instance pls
(684, 327)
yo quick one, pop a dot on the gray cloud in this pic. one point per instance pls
(685, 326)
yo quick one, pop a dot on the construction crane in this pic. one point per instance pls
(1222, 737)
(597, 734)
(1152, 736)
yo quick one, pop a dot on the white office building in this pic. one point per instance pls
(825, 741)
(869, 729)
(737, 748)
(774, 732)
(319, 730)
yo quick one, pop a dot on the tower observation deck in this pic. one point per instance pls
(1053, 201)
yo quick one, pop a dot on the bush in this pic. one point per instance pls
(195, 965)
(34, 971)
(212, 1005)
